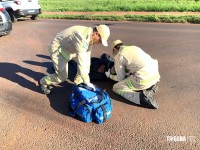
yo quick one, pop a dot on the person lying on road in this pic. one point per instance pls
(98, 67)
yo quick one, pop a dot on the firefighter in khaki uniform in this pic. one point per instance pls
(137, 74)
(74, 43)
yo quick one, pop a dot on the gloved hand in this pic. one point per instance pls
(108, 73)
(91, 86)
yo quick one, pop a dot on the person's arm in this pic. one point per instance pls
(83, 57)
(83, 64)
(119, 64)
(97, 70)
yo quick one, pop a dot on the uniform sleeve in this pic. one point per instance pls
(119, 63)
(114, 77)
(83, 61)
(83, 56)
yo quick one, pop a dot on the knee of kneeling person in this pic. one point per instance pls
(116, 87)
(61, 79)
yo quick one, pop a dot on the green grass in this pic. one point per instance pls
(137, 18)
(121, 5)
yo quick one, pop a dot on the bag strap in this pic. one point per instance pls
(77, 107)
(83, 85)
(80, 104)
(104, 113)
(83, 102)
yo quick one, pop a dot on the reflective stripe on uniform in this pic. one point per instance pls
(126, 90)
(112, 77)
(129, 83)
(145, 82)
(66, 56)
(47, 80)
(121, 92)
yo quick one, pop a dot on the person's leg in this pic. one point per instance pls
(144, 98)
(72, 70)
(148, 97)
(122, 89)
(60, 75)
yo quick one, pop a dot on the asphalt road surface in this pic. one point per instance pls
(30, 120)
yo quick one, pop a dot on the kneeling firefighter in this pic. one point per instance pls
(137, 74)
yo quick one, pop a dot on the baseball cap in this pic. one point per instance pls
(104, 32)
(115, 43)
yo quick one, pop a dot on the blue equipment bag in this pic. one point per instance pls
(88, 105)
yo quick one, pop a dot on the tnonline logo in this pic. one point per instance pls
(181, 139)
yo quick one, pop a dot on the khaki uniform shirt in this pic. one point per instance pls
(133, 62)
(74, 43)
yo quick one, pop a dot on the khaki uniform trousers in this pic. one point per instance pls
(126, 89)
(61, 70)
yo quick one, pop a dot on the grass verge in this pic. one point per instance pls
(195, 19)
(121, 5)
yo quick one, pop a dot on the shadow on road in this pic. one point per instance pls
(14, 73)
(59, 98)
(107, 85)
(60, 94)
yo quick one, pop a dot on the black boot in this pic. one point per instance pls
(148, 97)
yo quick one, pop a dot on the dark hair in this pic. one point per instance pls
(107, 61)
(95, 29)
